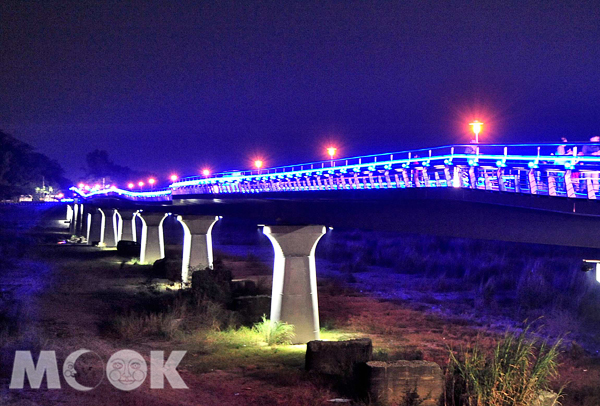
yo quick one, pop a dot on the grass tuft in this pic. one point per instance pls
(274, 332)
(515, 374)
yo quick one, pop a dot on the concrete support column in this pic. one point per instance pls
(69, 213)
(197, 243)
(85, 222)
(152, 244)
(79, 230)
(74, 213)
(110, 229)
(294, 299)
(96, 226)
(126, 226)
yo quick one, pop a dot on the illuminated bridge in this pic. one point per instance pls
(522, 193)
(521, 168)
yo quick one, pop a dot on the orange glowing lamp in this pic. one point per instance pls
(476, 127)
(331, 151)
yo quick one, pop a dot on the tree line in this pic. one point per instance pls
(22, 169)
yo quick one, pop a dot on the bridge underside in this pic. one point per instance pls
(445, 211)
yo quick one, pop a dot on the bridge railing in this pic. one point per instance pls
(555, 169)
(158, 195)
(502, 152)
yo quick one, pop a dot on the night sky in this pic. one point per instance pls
(177, 86)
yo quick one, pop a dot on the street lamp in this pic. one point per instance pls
(258, 163)
(173, 178)
(476, 126)
(130, 185)
(141, 185)
(151, 182)
(331, 152)
(205, 172)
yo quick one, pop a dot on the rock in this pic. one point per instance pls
(402, 382)
(128, 248)
(546, 398)
(337, 357)
(167, 268)
(252, 308)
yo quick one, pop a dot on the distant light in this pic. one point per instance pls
(173, 178)
(258, 163)
(87, 187)
(81, 186)
(97, 187)
(477, 126)
(140, 183)
(205, 172)
(60, 195)
(130, 185)
(331, 151)
(151, 181)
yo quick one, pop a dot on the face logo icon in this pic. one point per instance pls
(69, 371)
(126, 370)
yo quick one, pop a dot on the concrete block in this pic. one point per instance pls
(400, 381)
(337, 357)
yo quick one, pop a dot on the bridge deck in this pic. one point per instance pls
(523, 169)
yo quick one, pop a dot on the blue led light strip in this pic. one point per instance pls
(483, 156)
(117, 191)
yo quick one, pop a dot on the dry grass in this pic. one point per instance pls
(515, 373)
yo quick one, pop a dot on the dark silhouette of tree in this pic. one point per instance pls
(22, 169)
(100, 168)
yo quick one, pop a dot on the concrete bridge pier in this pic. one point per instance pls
(74, 211)
(294, 297)
(96, 226)
(197, 243)
(69, 216)
(152, 244)
(110, 229)
(79, 218)
(126, 225)
(86, 221)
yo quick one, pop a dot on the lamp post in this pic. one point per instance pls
(141, 185)
(258, 163)
(476, 126)
(331, 152)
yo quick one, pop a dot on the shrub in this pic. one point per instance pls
(534, 291)
(212, 284)
(514, 375)
(132, 326)
(357, 265)
(274, 332)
